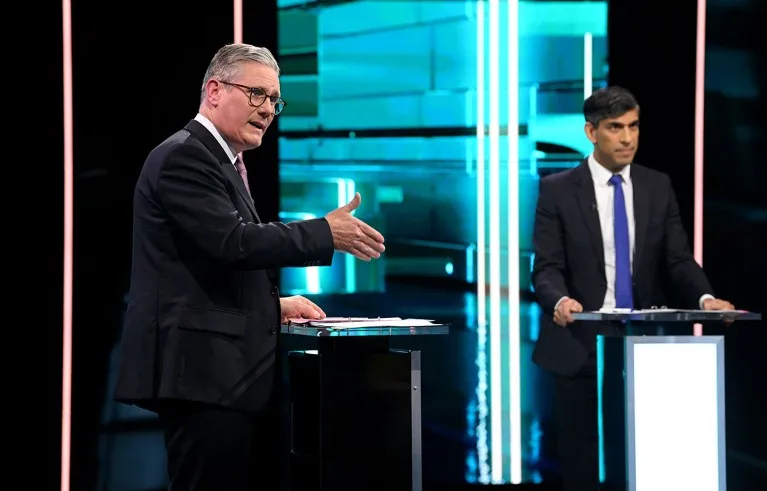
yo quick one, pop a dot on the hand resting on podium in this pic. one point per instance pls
(299, 307)
(564, 310)
(568, 306)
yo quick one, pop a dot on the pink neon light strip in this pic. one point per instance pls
(66, 372)
(237, 21)
(238, 31)
(700, 79)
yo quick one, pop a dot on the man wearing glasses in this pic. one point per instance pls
(200, 337)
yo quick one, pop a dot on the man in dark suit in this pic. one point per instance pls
(607, 235)
(202, 324)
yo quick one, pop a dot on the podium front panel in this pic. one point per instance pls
(672, 421)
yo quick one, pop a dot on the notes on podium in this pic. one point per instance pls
(362, 322)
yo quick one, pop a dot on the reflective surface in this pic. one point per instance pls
(668, 316)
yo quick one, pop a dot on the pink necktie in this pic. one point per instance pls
(243, 172)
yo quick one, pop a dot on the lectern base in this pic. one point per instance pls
(662, 413)
(355, 416)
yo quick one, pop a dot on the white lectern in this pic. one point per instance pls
(662, 402)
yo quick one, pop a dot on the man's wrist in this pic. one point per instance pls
(559, 302)
(703, 299)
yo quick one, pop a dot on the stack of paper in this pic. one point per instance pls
(357, 322)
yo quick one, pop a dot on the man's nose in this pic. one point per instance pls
(266, 109)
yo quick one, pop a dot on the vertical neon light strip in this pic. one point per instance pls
(588, 86)
(238, 35)
(482, 386)
(481, 245)
(588, 52)
(238, 21)
(496, 394)
(66, 371)
(346, 191)
(512, 251)
(700, 82)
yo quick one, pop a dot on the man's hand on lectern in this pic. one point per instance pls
(563, 314)
(298, 307)
(718, 304)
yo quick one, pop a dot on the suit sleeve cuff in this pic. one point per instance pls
(703, 299)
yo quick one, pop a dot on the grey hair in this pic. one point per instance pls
(225, 64)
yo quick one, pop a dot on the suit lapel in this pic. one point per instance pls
(231, 173)
(587, 199)
(641, 212)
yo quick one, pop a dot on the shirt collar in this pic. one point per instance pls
(220, 139)
(601, 175)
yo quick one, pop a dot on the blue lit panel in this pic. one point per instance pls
(444, 115)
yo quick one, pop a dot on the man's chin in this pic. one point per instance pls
(254, 142)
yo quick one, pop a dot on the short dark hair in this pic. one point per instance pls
(608, 102)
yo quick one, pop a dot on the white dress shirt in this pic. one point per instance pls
(605, 196)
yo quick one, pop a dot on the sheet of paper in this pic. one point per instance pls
(336, 320)
(655, 311)
(375, 322)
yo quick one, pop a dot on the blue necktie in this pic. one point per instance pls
(624, 298)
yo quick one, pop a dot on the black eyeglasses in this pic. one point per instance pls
(257, 96)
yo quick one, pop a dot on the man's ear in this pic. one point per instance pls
(591, 132)
(212, 92)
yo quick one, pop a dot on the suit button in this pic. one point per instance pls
(274, 290)
(273, 330)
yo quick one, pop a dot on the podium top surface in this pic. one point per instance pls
(299, 330)
(668, 315)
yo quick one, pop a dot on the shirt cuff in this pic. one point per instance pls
(556, 306)
(703, 299)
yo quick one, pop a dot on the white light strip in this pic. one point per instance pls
(700, 83)
(588, 60)
(512, 198)
(482, 387)
(531, 136)
(66, 371)
(238, 21)
(481, 245)
(346, 191)
(495, 247)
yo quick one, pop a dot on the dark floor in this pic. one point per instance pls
(457, 403)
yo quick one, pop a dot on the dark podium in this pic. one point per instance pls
(355, 409)
(661, 400)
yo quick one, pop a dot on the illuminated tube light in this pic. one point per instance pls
(700, 82)
(482, 386)
(588, 60)
(238, 24)
(66, 371)
(481, 245)
(512, 241)
(346, 191)
(494, 226)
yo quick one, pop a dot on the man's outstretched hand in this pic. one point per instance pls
(352, 235)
